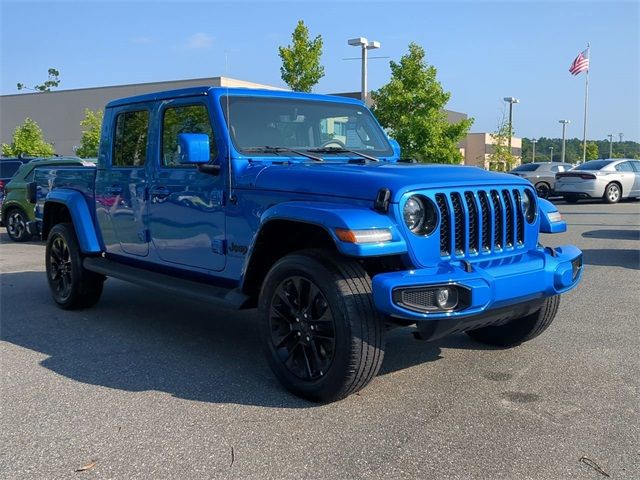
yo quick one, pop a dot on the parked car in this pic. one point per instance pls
(297, 204)
(542, 175)
(17, 208)
(8, 167)
(611, 180)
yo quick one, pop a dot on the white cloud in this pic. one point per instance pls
(200, 40)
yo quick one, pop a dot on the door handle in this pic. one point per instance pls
(114, 190)
(160, 192)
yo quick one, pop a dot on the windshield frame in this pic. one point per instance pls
(387, 153)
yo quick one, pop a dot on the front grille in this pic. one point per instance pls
(480, 221)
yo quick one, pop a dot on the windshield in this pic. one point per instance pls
(297, 124)
(526, 167)
(593, 165)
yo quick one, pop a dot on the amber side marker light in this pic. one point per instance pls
(377, 235)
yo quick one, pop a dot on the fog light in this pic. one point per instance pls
(447, 298)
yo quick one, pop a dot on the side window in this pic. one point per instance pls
(29, 177)
(624, 167)
(636, 166)
(555, 168)
(184, 119)
(130, 142)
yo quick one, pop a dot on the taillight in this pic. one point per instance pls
(583, 176)
(1, 184)
(587, 176)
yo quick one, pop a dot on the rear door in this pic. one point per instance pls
(186, 215)
(627, 176)
(636, 183)
(121, 183)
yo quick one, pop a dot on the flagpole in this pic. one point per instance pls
(586, 103)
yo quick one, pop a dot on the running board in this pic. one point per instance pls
(229, 297)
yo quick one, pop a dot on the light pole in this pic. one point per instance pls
(511, 101)
(610, 145)
(564, 128)
(533, 142)
(621, 147)
(365, 46)
(551, 154)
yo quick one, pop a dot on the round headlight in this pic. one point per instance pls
(420, 215)
(529, 206)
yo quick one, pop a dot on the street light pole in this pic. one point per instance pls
(551, 154)
(511, 101)
(564, 128)
(610, 145)
(533, 142)
(365, 46)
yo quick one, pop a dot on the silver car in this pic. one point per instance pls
(611, 180)
(542, 175)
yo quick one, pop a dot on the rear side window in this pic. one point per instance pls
(9, 169)
(527, 167)
(624, 167)
(130, 141)
(636, 166)
(184, 119)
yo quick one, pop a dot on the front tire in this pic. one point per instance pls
(518, 330)
(543, 189)
(16, 222)
(71, 285)
(612, 193)
(322, 335)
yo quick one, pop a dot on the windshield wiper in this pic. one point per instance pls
(342, 150)
(277, 150)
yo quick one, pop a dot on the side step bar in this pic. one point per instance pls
(228, 297)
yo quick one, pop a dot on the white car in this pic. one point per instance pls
(611, 180)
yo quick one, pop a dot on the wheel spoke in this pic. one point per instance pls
(307, 364)
(286, 338)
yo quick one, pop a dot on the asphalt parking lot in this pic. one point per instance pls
(146, 385)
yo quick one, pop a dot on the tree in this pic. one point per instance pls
(90, 140)
(301, 68)
(411, 108)
(28, 140)
(592, 151)
(52, 82)
(502, 157)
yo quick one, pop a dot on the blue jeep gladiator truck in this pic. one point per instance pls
(300, 205)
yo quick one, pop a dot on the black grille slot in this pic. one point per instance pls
(460, 223)
(445, 224)
(486, 220)
(421, 298)
(509, 217)
(497, 219)
(519, 218)
(473, 222)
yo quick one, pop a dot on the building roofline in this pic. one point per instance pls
(203, 79)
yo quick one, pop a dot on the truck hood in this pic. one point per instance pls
(364, 181)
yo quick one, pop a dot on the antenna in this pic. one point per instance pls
(232, 197)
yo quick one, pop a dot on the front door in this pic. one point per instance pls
(121, 184)
(186, 215)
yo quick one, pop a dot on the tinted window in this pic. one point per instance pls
(130, 142)
(526, 167)
(593, 165)
(256, 122)
(184, 119)
(636, 166)
(624, 167)
(8, 169)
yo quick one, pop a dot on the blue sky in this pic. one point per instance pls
(483, 50)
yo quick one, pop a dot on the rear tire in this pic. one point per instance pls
(322, 335)
(72, 286)
(613, 193)
(518, 330)
(16, 222)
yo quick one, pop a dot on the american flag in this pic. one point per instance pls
(581, 63)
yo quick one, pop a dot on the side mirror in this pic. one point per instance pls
(32, 192)
(395, 146)
(193, 148)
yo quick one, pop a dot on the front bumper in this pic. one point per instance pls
(492, 284)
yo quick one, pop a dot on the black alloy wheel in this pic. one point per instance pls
(302, 328)
(60, 268)
(16, 222)
(543, 190)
